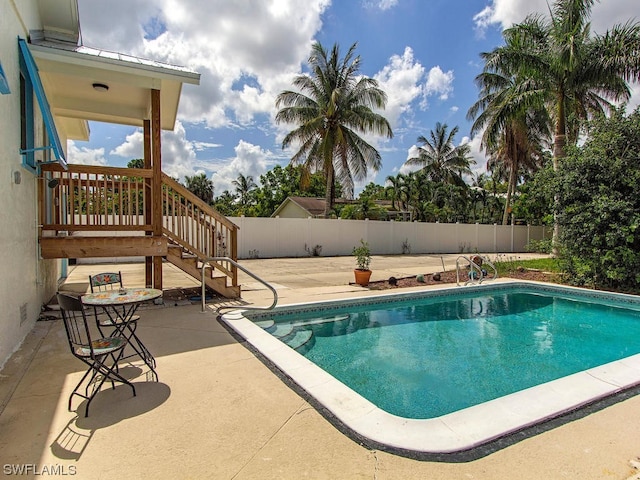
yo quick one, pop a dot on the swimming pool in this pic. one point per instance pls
(447, 370)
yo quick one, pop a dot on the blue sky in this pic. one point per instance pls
(425, 55)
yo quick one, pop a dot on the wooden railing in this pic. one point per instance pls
(198, 227)
(93, 198)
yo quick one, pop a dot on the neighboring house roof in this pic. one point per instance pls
(313, 206)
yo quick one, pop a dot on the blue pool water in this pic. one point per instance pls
(431, 356)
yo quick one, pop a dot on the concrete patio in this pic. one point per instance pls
(219, 412)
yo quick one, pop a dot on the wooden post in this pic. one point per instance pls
(234, 256)
(148, 261)
(156, 182)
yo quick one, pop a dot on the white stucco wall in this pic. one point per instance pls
(25, 282)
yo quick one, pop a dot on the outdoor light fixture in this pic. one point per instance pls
(100, 87)
(53, 183)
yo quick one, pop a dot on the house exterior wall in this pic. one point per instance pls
(25, 281)
(291, 210)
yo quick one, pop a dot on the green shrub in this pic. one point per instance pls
(539, 246)
(599, 205)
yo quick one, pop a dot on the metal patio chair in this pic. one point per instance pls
(102, 282)
(107, 281)
(101, 354)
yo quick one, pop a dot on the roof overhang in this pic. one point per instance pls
(69, 73)
(60, 20)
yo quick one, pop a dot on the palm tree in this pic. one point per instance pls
(439, 159)
(513, 121)
(200, 186)
(244, 187)
(392, 190)
(332, 107)
(576, 74)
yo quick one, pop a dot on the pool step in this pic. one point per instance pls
(265, 324)
(302, 340)
(321, 320)
(281, 330)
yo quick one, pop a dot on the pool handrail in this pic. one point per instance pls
(473, 265)
(208, 260)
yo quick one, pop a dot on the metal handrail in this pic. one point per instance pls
(472, 278)
(206, 261)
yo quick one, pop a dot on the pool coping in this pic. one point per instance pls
(457, 431)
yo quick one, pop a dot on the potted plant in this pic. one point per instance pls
(363, 260)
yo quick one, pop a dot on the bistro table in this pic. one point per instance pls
(120, 305)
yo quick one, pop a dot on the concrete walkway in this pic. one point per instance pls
(218, 412)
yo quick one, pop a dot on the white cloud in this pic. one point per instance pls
(178, 153)
(439, 83)
(505, 13)
(387, 4)
(635, 97)
(401, 80)
(85, 156)
(380, 4)
(246, 52)
(477, 154)
(200, 146)
(412, 152)
(604, 14)
(249, 160)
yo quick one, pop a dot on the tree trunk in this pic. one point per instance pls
(329, 195)
(559, 144)
(511, 189)
(559, 152)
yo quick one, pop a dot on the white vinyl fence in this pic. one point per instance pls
(296, 237)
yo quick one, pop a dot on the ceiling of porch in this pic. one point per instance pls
(75, 78)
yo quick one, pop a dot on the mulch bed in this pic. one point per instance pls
(450, 277)
(181, 294)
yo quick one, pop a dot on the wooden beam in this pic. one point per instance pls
(88, 247)
(156, 164)
(157, 273)
(156, 182)
(148, 261)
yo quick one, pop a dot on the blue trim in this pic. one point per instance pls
(26, 116)
(4, 84)
(34, 77)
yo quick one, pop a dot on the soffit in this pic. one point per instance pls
(60, 19)
(68, 73)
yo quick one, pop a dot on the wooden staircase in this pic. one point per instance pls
(196, 232)
(165, 220)
(189, 263)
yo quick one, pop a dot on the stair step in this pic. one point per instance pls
(281, 330)
(303, 339)
(265, 324)
(189, 263)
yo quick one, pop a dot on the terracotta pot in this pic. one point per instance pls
(362, 276)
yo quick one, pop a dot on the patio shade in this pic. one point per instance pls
(52, 132)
